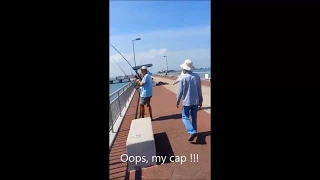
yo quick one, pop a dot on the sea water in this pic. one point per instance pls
(114, 87)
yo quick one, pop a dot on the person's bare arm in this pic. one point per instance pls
(175, 82)
(178, 79)
(140, 82)
(143, 81)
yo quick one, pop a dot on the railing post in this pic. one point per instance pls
(111, 120)
(125, 102)
(110, 117)
(119, 103)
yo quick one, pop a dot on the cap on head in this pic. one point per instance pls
(187, 65)
(143, 67)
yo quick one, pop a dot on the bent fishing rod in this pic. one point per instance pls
(138, 75)
(133, 83)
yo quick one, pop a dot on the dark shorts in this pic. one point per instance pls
(145, 100)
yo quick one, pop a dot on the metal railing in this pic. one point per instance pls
(118, 101)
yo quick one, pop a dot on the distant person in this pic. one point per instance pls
(145, 92)
(191, 93)
(153, 83)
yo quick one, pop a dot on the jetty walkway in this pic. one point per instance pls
(171, 138)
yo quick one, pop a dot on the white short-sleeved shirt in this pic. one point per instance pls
(146, 89)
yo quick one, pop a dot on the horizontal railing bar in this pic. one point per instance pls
(118, 96)
(124, 95)
(119, 89)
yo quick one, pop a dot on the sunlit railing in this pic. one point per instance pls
(118, 100)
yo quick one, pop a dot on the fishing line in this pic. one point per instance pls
(119, 67)
(133, 83)
(136, 86)
(138, 75)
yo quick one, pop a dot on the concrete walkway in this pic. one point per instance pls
(206, 105)
(171, 140)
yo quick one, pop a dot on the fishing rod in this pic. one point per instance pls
(119, 67)
(136, 85)
(138, 75)
(133, 83)
(131, 72)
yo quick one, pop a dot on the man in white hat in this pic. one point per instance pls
(145, 91)
(191, 93)
(182, 73)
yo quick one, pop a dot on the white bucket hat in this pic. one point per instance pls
(187, 65)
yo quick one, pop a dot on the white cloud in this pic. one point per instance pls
(141, 57)
(177, 44)
(167, 34)
(151, 54)
(173, 39)
(200, 58)
(118, 57)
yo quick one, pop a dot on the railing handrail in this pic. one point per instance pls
(119, 94)
(119, 89)
(119, 103)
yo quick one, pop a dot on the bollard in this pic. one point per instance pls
(206, 76)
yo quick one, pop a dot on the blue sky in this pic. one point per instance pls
(177, 29)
